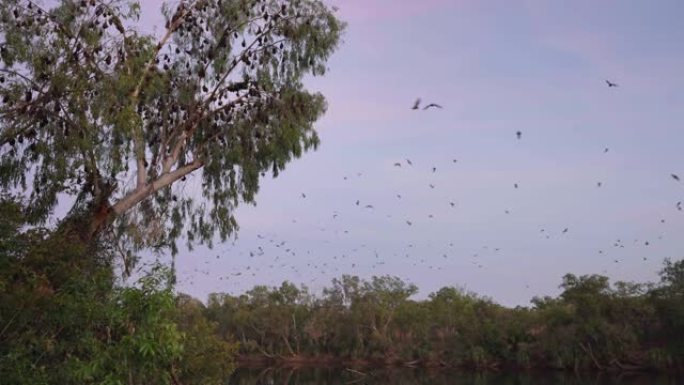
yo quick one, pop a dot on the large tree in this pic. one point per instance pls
(132, 127)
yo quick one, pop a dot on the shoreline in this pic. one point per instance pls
(333, 362)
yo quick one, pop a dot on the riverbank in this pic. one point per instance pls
(330, 361)
(406, 376)
(592, 325)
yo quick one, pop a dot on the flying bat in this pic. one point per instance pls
(435, 105)
(416, 105)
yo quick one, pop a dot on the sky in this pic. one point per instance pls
(496, 67)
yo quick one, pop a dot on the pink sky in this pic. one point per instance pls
(497, 67)
(388, 10)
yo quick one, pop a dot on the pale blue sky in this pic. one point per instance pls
(497, 67)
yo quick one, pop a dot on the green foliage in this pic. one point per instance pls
(64, 319)
(88, 102)
(207, 358)
(591, 324)
(669, 299)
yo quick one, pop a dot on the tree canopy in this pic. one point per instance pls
(131, 128)
(592, 324)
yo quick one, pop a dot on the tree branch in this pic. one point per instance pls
(141, 193)
(150, 63)
(149, 67)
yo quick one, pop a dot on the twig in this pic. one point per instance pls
(355, 371)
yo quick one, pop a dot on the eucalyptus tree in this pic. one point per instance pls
(130, 126)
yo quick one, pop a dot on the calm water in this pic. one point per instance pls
(419, 377)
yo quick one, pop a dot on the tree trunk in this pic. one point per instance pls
(102, 217)
(287, 344)
(84, 224)
(589, 351)
(88, 222)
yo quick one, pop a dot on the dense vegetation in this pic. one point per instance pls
(64, 319)
(108, 123)
(590, 325)
(67, 319)
(88, 102)
(411, 376)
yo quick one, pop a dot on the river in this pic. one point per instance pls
(283, 376)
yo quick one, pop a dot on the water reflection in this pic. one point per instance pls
(285, 376)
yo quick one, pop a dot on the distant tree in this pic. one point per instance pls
(668, 297)
(672, 278)
(586, 292)
(592, 324)
(386, 294)
(207, 358)
(93, 110)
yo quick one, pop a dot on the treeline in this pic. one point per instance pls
(591, 325)
(66, 319)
